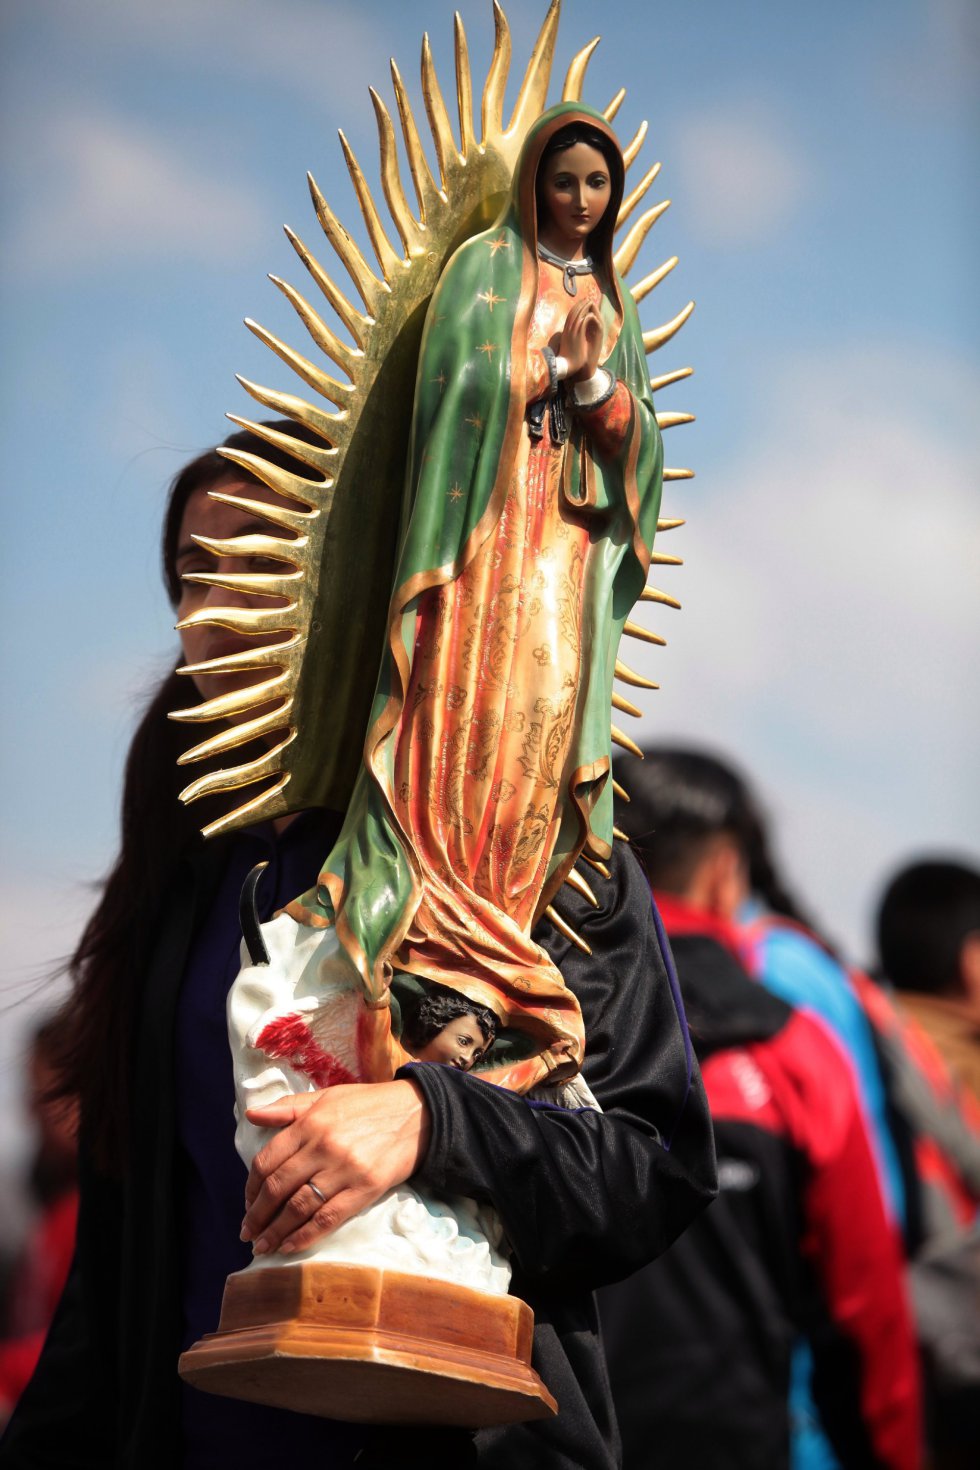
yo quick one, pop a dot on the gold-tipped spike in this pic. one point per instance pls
(316, 457)
(314, 495)
(437, 113)
(625, 706)
(620, 738)
(578, 883)
(620, 835)
(674, 473)
(636, 630)
(621, 793)
(240, 619)
(665, 379)
(269, 655)
(634, 145)
(629, 676)
(464, 89)
(625, 256)
(391, 179)
(672, 420)
(492, 111)
(325, 339)
(319, 381)
(256, 584)
(575, 76)
(650, 282)
(670, 524)
(267, 764)
(330, 428)
(254, 544)
(352, 319)
(234, 702)
(552, 913)
(232, 736)
(635, 195)
(664, 559)
(615, 105)
(654, 594)
(418, 164)
(261, 808)
(388, 258)
(656, 338)
(367, 283)
(600, 868)
(290, 520)
(533, 95)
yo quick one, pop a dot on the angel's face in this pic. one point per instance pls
(573, 195)
(461, 1044)
(219, 521)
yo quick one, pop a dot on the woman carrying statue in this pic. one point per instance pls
(536, 478)
(584, 1196)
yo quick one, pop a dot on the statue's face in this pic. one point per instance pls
(207, 517)
(573, 195)
(460, 1044)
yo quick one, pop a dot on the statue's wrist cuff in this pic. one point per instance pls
(595, 391)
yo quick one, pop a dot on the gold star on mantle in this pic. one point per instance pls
(491, 298)
(489, 348)
(475, 421)
(501, 243)
(440, 379)
(455, 493)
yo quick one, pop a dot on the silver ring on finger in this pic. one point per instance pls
(318, 1192)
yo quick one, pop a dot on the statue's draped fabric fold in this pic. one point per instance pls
(486, 763)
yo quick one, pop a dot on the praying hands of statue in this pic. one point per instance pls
(336, 1152)
(581, 340)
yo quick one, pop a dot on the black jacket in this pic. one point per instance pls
(797, 1244)
(585, 1198)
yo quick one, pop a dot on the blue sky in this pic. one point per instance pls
(822, 161)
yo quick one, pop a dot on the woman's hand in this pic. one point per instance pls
(352, 1141)
(581, 340)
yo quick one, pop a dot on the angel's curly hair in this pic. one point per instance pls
(437, 1006)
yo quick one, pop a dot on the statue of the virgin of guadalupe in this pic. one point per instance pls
(535, 479)
(531, 494)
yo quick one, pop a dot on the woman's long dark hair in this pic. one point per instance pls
(106, 969)
(679, 799)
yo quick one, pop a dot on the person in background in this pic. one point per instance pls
(40, 1274)
(928, 929)
(799, 1246)
(928, 933)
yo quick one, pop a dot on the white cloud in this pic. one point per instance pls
(831, 611)
(107, 189)
(312, 47)
(939, 71)
(743, 175)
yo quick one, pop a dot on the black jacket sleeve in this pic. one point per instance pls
(589, 1197)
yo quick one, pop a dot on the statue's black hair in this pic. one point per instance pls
(436, 1008)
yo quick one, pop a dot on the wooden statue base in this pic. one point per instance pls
(372, 1347)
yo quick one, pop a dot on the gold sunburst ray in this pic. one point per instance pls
(650, 282)
(565, 928)
(234, 702)
(626, 675)
(456, 190)
(266, 655)
(637, 630)
(577, 883)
